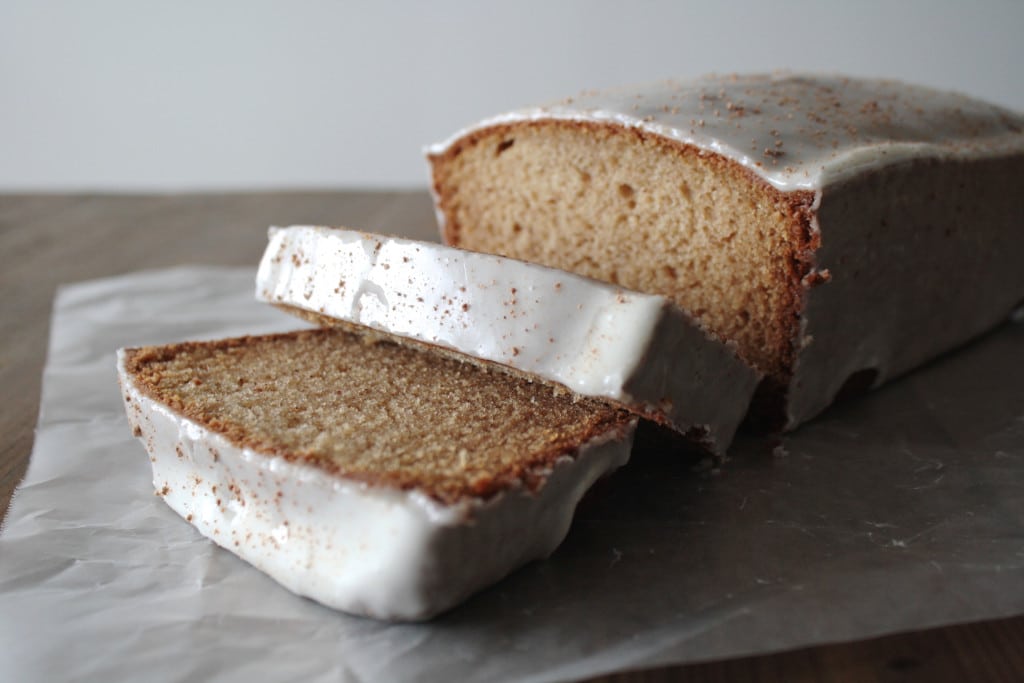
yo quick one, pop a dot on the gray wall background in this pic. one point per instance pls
(119, 95)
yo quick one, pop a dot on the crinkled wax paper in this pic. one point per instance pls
(901, 510)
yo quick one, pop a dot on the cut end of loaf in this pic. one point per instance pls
(638, 210)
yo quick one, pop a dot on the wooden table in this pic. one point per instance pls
(48, 240)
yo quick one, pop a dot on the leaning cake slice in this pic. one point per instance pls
(637, 351)
(375, 478)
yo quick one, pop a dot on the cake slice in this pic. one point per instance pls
(634, 350)
(375, 478)
(841, 231)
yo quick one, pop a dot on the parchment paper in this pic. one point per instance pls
(898, 511)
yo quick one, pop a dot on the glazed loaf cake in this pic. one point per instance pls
(372, 477)
(637, 351)
(841, 231)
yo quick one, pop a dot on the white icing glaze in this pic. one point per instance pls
(599, 340)
(917, 266)
(368, 550)
(795, 131)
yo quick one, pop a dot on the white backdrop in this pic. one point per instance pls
(131, 95)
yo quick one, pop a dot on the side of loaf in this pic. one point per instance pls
(374, 478)
(840, 231)
(637, 351)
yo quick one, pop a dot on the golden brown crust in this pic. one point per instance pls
(293, 395)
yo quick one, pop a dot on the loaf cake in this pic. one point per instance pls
(840, 231)
(634, 350)
(372, 477)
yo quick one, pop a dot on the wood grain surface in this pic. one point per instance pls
(46, 240)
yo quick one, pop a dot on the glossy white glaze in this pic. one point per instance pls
(798, 132)
(596, 339)
(368, 550)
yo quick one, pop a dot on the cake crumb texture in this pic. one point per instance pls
(373, 411)
(631, 208)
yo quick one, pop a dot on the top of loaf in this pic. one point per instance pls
(797, 132)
